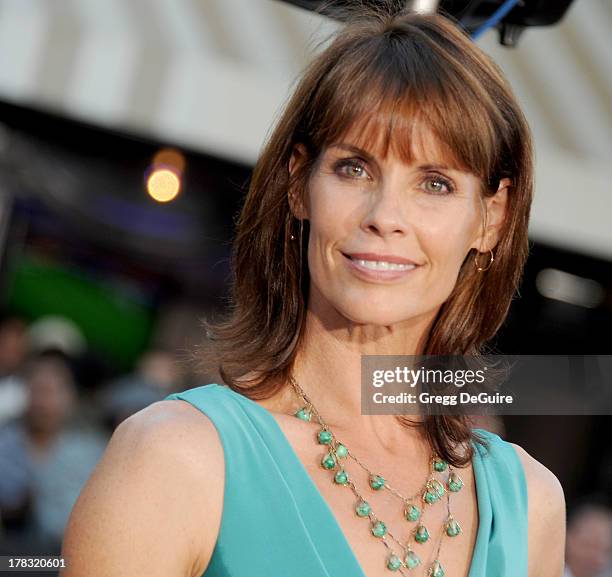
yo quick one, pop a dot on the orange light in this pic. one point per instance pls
(170, 158)
(163, 185)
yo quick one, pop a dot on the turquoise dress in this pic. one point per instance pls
(276, 523)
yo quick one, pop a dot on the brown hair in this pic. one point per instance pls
(382, 71)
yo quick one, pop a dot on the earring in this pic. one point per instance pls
(292, 236)
(478, 267)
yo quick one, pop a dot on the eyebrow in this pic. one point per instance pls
(370, 157)
(355, 149)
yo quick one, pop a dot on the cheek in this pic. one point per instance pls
(332, 217)
(446, 239)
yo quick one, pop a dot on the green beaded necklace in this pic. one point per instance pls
(430, 493)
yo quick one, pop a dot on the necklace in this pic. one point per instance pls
(431, 492)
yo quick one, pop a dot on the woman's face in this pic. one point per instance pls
(366, 212)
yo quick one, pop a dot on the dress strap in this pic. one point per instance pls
(502, 508)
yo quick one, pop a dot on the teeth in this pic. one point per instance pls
(382, 265)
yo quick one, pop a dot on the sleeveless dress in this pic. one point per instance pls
(276, 523)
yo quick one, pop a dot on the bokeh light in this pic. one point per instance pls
(163, 185)
(170, 158)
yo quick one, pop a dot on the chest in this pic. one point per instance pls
(404, 479)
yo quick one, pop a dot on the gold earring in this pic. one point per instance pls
(478, 267)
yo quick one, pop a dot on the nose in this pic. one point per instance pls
(385, 214)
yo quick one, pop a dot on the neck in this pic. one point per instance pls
(328, 369)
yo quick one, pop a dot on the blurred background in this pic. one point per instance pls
(128, 131)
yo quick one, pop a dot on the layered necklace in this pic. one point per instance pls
(431, 493)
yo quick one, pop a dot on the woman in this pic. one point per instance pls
(387, 214)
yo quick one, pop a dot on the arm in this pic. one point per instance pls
(546, 518)
(154, 502)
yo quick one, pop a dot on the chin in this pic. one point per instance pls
(370, 314)
(364, 307)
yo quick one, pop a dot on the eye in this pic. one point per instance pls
(352, 168)
(436, 184)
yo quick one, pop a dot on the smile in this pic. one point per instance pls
(374, 270)
(382, 265)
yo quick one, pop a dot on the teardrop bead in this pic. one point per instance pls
(379, 529)
(440, 465)
(324, 437)
(454, 482)
(430, 497)
(341, 477)
(452, 528)
(304, 414)
(421, 534)
(412, 560)
(341, 451)
(328, 462)
(412, 513)
(376, 482)
(363, 509)
(394, 562)
(436, 570)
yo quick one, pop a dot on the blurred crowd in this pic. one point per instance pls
(588, 551)
(54, 429)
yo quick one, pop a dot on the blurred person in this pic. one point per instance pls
(56, 332)
(13, 352)
(589, 539)
(44, 462)
(123, 397)
(156, 373)
(160, 369)
(399, 164)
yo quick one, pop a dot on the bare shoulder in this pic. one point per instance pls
(146, 491)
(179, 430)
(542, 481)
(169, 421)
(546, 517)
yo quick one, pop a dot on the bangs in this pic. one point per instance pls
(406, 133)
(411, 99)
